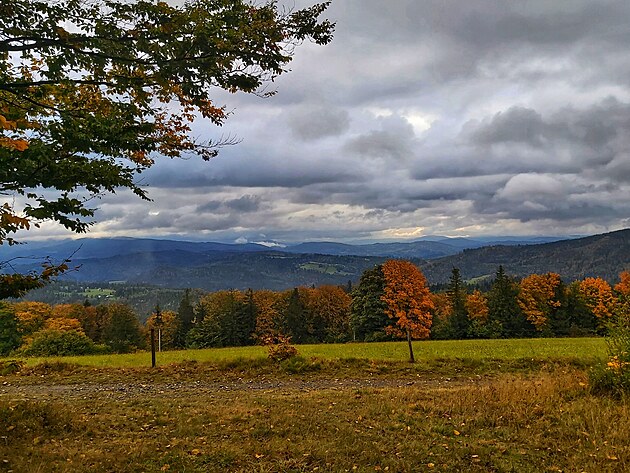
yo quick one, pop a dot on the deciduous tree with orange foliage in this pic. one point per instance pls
(477, 306)
(623, 293)
(330, 306)
(599, 298)
(168, 329)
(268, 316)
(408, 301)
(93, 92)
(31, 316)
(538, 298)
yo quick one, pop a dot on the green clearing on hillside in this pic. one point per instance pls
(98, 292)
(323, 268)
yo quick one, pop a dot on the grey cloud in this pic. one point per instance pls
(394, 140)
(312, 122)
(244, 204)
(255, 170)
(572, 139)
(595, 126)
(210, 206)
(532, 197)
(517, 124)
(247, 203)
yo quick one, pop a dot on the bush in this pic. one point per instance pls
(60, 343)
(280, 348)
(282, 351)
(614, 377)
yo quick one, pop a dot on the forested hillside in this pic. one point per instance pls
(212, 267)
(212, 271)
(602, 256)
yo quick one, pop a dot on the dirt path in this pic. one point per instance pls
(15, 389)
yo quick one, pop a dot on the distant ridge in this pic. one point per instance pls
(602, 255)
(108, 247)
(425, 248)
(213, 266)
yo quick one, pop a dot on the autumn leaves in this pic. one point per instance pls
(408, 301)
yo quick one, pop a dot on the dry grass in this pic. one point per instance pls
(528, 422)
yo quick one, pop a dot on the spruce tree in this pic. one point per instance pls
(560, 317)
(296, 320)
(122, 333)
(185, 318)
(368, 317)
(504, 313)
(458, 321)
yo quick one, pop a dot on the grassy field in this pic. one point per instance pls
(538, 349)
(355, 407)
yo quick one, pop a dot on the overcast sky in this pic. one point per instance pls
(450, 117)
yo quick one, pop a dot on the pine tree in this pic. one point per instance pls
(582, 321)
(245, 319)
(122, 332)
(295, 318)
(560, 322)
(458, 321)
(368, 317)
(185, 318)
(504, 312)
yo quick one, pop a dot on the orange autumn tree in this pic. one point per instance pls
(329, 306)
(31, 316)
(537, 298)
(599, 298)
(408, 301)
(477, 306)
(268, 317)
(168, 328)
(623, 293)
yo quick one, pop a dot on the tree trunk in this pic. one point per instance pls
(411, 358)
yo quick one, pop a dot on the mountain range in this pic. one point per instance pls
(425, 248)
(214, 266)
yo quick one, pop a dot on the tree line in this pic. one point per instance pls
(391, 301)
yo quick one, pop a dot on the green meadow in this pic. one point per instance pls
(425, 351)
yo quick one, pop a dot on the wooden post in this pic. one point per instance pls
(152, 348)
